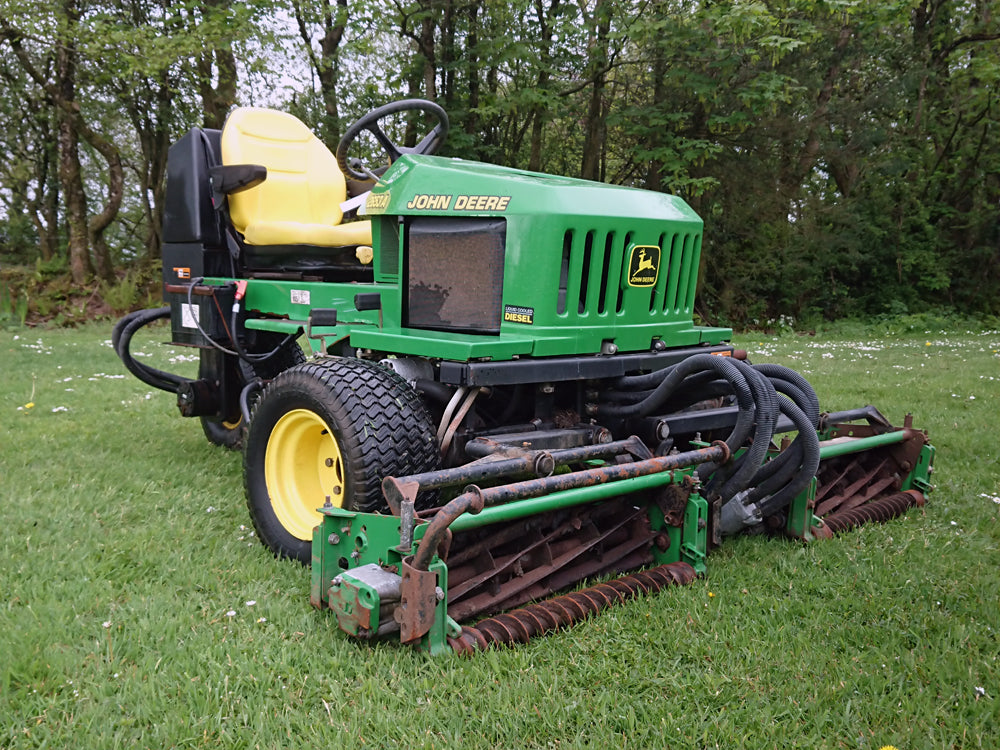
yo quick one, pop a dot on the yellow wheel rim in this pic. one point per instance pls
(302, 467)
(233, 425)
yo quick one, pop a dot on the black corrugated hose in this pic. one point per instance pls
(121, 338)
(756, 389)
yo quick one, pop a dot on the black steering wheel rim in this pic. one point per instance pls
(427, 145)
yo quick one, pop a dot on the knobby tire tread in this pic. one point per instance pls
(388, 433)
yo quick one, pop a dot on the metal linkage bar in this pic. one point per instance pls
(501, 460)
(844, 445)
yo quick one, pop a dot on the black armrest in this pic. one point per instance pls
(234, 178)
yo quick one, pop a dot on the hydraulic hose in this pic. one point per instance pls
(797, 464)
(674, 377)
(756, 389)
(766, 400)
(755, 396)
(121, 338)
(253, 386)
(788, 374)
(693, 390)
(807, 470)
(793, 454)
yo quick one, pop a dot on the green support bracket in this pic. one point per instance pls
(801, 520)
(345, 540)
(356, 605)
(436, 640)
(694, 540)
(920, 476)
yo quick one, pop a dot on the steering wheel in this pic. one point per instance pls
(370, 122)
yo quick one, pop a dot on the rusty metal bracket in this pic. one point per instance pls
(418, 602)
(399, 491)
(672, 500)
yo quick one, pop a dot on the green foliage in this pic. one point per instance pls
(13, 307)
(138, 287)
(45, 294)
(18, 240)
(845, 154)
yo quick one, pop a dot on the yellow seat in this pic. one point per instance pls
(299, 202)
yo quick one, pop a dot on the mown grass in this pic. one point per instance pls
(136, 609)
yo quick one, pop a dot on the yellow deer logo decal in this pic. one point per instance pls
(643, 265)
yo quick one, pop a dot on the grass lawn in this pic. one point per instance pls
(137, 609)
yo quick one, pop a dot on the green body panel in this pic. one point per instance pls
(569, 255)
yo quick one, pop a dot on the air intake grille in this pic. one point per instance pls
(590, 280)
(454, 274)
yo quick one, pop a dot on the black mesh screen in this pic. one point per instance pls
(454, 270)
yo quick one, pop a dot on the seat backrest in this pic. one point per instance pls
(188, 214)
(304, 185)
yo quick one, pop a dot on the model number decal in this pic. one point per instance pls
(377, 201)
(300, 296)
(515, 314)
(431, 202)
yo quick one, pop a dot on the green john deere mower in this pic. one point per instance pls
(507, 395)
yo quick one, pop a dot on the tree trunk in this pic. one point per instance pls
(70, 172)
(100, 222)
(654, 169)
(427, 26)
(472, 70)
(447, 61)
(156, 148)
(43, 208)
(595, 125)
(545, 19)
(217, 99)
(326, 65)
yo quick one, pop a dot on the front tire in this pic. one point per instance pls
(332, 428)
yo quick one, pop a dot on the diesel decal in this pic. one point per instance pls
(377, 201)
(515, 314)
(643, 265)
(481, 202)
(182, 272)
(430, 202)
